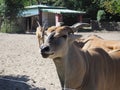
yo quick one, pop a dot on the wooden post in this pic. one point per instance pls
(80, 18)
(28, 24)
(40, 17)
(58, 19)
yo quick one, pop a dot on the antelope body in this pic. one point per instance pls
(81, 69)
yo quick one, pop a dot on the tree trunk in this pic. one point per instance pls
(39, 1)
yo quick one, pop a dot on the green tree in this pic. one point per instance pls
(101, 15)
(74, 4)
(34, 2)
(2, 11)
(11, 9)
(112, 6)
(90, 6)
(2, 6)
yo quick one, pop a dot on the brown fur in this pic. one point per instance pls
(38, 34)
(96, 41)
(81, 69)
(51, 29)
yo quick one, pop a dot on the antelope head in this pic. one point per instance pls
(40, 33)
(56, 41)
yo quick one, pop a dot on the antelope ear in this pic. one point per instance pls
(75, 37)
(77, 26)
(38, 24)
(69, 29)
(39, 28)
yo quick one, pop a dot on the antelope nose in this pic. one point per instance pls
(45, 49)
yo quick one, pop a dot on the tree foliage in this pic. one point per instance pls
(101, 15)
(74, 4)
(112, 6)
(13, 8)
(9, 12)
(2, 6)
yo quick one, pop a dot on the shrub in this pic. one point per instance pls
(11, 27)
(101, 15)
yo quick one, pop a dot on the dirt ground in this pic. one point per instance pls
(20, 59)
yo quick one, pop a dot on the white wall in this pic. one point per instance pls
(48, 18)
(45, 19)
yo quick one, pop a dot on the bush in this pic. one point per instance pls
(11, 27)
(101, 15)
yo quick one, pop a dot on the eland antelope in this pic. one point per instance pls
(74, 28)
(80, 69)
(96, 41)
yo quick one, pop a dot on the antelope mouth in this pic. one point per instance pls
(45, 55)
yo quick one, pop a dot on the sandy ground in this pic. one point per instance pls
(20, 60)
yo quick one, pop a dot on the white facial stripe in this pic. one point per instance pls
(50, 36)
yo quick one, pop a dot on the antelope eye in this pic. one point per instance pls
(64, 36)
(52, 37)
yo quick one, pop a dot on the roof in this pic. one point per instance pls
(34, 10)
(30, 12)
(61, 11)
(43, 6)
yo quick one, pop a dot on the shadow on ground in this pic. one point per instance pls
(16, 83)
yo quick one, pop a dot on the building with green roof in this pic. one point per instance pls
(48, 15)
